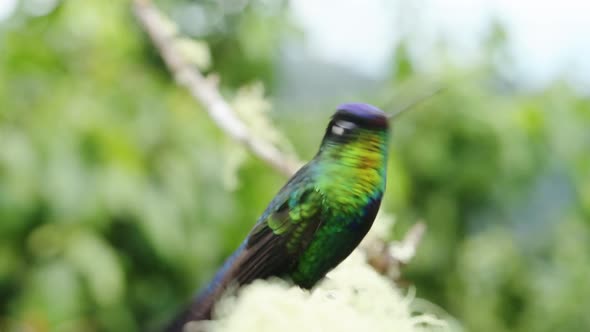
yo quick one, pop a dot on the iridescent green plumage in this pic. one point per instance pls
(319, 216)
(351, 176)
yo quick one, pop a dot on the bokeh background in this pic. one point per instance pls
(119, 197)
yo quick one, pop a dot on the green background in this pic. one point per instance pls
(116, 201)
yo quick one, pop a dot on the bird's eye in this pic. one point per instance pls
(341, 126)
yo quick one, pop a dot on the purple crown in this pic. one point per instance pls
(366, 113)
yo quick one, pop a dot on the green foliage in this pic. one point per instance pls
(497, 180)
(114, 205)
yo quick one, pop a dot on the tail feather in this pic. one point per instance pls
(201, 307)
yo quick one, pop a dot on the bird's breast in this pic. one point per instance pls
(348, 191)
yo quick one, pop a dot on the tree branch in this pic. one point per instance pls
(205, 90)
(388, 258)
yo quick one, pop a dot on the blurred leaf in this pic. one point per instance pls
(99, 266)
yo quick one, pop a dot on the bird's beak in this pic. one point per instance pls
(397, 113)
(404, 109)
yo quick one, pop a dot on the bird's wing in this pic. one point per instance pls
(272, 247)
(276, 241)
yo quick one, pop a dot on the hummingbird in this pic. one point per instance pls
(318, 217)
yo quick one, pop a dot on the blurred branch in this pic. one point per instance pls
(388, 258)
(405, 250)
(205, 91)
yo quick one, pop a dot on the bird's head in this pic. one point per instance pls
(350, 120)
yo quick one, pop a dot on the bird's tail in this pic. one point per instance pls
(202, 306)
